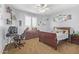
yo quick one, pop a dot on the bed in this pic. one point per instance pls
(53, 38)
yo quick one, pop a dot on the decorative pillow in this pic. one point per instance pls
(65, 31)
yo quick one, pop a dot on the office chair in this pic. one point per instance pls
(13, 33)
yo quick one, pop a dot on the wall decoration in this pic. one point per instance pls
(61, 18)
(8, 21)
(20, 23)
(47, 19)
(12, 16)
(69, 17)
(44, 23)
(8, 9)
(40, 22)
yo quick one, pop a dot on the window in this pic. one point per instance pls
(30, 21)
(34, 22)
(1, 23)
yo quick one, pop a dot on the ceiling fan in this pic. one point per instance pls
(42, 7)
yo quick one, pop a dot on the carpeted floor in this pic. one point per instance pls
(33, 46)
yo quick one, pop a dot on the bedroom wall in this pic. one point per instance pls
(43, 23)
(2, 28)
(6, 26)
(74, 22)
(48, 27)
(40, 26)
(21, 16)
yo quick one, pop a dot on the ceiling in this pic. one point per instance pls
(52, 8)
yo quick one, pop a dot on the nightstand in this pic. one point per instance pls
(75, 39)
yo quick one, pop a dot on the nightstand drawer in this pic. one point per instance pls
(75, 39)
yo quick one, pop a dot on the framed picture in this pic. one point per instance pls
(8, 21)
(20, 23)
(69, 17)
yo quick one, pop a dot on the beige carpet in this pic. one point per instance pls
(33, 46)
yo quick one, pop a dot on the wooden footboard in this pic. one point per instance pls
(48, 38)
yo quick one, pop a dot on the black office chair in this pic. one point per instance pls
(13, 32)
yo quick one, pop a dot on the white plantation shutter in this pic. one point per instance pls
(30, 21)
(34, 21)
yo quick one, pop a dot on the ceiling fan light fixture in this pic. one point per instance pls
(42, 8)
(41, 5)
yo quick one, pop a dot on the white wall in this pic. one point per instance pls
(44, 25)
(4, 27)
(21, 16)
(74, 22)
(1, 29)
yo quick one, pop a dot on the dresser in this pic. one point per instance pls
(48, 38)
(31, 34)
